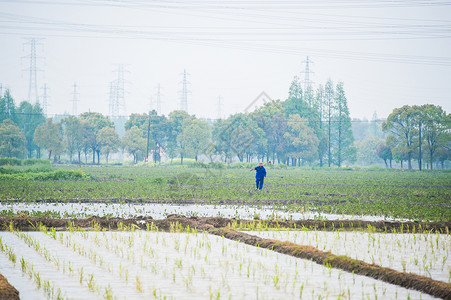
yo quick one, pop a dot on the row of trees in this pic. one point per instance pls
(414, 130)
(18, 126)
(308, 127)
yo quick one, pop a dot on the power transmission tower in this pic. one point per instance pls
(111, 99)
(75, 99)
(45, 98)
(158, 99)
(151, 103)
(117, 93)
(184, 92)
(33, 96)
(307, 82)
(219, 108)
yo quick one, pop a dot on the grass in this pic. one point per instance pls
(413, 195)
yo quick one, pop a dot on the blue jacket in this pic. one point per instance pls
(261, 172)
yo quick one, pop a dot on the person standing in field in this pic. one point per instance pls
(260, 175)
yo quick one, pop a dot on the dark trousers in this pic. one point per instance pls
(259, 183)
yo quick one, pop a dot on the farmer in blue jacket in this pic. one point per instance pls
(260, 175)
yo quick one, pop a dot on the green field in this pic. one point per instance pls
(391, 193)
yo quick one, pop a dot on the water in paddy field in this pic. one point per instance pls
(424, 254)
(160, 211)
(145, 265)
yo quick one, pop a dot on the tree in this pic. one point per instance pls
(443, 154)
(435, 128)
(28, 118)
(271, 119)
(402, 124)
(302, 140)
(238, 135)
(7, 107)
(398, 150)
(74, 136)
(345, 150)
(88, 138)
(12, 140)
(329, 103)
(293, 104)
(158, 127)
(367, 150)
(95, 121)
(108, 141)
(134, 142)
(195, 136)
(49, 136)
(319, 107)
(384, 152)
(175, 127)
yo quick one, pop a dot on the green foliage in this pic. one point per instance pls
(28, 118)
(43, 175)
(33, 161)
(93, 123)
(384, 152)
(12, 140)
(10, 162)
(134, 142)
(49, 136)
(194, 136)
(404, 125)
(7, 107)
(357, 191)
(401, 123)
(343, 140)
(366, 151)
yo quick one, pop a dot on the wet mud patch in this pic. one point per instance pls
(7, 291)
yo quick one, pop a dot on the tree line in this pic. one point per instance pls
(309, 127)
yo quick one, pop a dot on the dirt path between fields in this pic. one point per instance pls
(204, 223)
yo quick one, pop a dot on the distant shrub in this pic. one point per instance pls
(8, 171)
(46, 174)
(33, 161)
(10, 162)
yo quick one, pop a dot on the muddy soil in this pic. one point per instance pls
(7, 291)
(204, 223)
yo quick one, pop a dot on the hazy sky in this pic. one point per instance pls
(387, 53)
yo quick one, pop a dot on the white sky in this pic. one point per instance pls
(387, 53)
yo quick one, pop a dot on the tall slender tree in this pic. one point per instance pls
(329, 103)
(344, 140)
